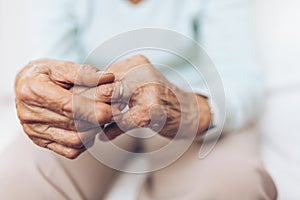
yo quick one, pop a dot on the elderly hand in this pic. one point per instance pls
(153, 102)
(44, 101)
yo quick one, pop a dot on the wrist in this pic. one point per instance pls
(204, 115)
(195, 113)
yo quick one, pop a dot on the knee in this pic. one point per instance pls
(20, 171)
(245, 181)
(267, 187)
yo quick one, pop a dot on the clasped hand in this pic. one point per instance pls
(61, 105)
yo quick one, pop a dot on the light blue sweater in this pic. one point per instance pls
(71, 29)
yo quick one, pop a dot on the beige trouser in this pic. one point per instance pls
(232, 171)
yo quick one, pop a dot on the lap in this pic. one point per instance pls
(30, 172)
(232, 170)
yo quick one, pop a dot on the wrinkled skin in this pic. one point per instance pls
(153, 102)
(46, 90)
(44, 104)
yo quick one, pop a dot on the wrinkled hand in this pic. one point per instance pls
(46, 108)
(153, 102)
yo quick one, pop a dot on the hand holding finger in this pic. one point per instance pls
(45, 103)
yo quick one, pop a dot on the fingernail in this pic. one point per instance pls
(104, 73)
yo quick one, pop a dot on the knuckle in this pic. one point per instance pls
(32, 68)
(141, 58)
(37, 66)
(23, 92)
(156, 101)
(141, 118)
(40, 68)
(66, 104)
(87, 68)
(157, 110)
(27, 130)
(76, 141)
(105, 90)
(26, 117)
(39, 142)
(72, 153)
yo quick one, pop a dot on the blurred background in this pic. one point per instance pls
(14, 53)
(278, 36)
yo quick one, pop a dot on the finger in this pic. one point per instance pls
(116, 107)
(46, 94)
(63, 72)
(133, 118)
(38, 115)
(65, 103)
(40, 142)
(117, 91)
(127, 64)
(97, 113)
(91, 79)
(67, 138)
(108, 93)
(67, 152)
(59, 149)
(110, 132)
